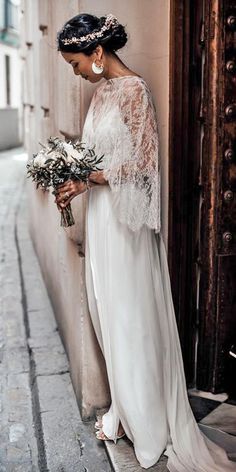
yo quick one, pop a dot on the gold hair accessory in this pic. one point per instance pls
(110, 21)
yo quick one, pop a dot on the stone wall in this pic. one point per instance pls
(55, 103)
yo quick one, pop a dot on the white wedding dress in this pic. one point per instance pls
(129, 290)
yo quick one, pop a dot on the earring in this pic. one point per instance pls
(97, 69)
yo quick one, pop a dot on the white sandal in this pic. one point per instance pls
(101, 435)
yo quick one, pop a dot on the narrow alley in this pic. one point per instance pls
(40, 424)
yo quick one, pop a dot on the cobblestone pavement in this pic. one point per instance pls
(40, 426)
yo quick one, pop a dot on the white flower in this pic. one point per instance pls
(40, 159)
(72, 153)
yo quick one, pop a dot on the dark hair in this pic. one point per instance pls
(112, 39)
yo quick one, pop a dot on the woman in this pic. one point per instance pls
(126, 268)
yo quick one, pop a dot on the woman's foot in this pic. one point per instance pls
(98, 424)
(101, 435)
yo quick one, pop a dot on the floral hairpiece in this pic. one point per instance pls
(110, 21)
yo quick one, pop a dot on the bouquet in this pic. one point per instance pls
(61, 161)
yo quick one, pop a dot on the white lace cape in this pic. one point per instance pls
(121, 124)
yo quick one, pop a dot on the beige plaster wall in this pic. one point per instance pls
(55, 102)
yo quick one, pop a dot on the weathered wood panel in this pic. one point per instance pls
(202, 229)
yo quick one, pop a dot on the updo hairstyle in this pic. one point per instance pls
(92, 31)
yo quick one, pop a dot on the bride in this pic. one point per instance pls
(127, 275)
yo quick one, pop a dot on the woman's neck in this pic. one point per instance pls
(114, 67)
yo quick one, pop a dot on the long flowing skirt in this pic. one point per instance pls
(132, 312)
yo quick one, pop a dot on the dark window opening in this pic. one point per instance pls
(8, 83)
(11, 15)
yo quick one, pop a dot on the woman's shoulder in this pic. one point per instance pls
(134, 89)
(126, 83)
(130, 82)
(126, 91)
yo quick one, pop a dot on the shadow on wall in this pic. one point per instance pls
(9, 128)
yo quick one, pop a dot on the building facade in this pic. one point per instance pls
(175, 47)
(10, 75)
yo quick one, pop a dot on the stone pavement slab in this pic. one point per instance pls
(222, 418)
(123, 458)
(220, 426)
(57, 401)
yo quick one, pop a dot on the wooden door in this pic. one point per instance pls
(202, 224)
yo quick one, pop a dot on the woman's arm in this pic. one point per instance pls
(97, 178)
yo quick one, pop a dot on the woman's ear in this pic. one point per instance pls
(98, 52)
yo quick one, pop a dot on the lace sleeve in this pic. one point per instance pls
(133, 174)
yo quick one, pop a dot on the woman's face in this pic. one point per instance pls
(82, 65)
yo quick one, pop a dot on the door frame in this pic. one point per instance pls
(202, 265)
(179, 150)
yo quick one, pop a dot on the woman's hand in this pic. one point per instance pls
(70, 189)
(97, 177)
(67, 191)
